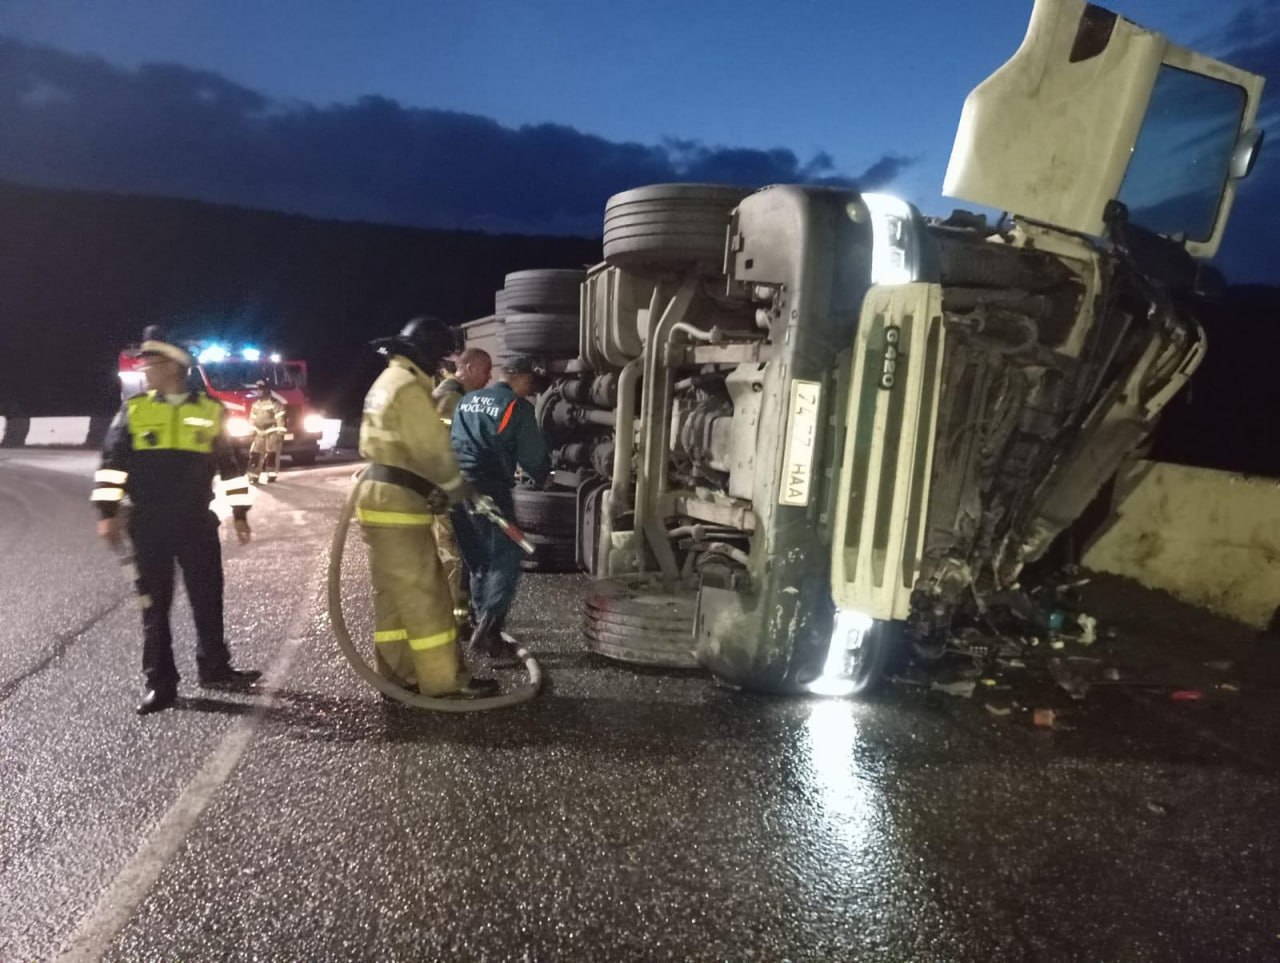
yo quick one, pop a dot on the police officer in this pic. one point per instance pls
(413, 478)
(267, 418)
(471, 373)
(493, 431)
(162, 451)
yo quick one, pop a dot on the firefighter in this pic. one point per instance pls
(471, 373)
(162, 451)
(267, 418)
(413, 478)
(493, 431)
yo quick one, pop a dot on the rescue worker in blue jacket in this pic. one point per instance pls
(495, 429)
(162, 451)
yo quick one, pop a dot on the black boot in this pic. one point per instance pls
(487, 643)
(229, 678)
(156, 700)
(502, 654)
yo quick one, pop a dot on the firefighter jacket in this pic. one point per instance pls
(446, 396)
(267, 414)
(400, 428)
(164, 457)
(493, 431)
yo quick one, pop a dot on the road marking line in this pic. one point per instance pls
(122, 898)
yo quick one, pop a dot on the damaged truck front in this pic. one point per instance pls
(816, 425)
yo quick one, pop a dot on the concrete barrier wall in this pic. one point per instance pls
(86, 432)
(1207, 537)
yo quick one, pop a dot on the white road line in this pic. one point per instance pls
(122, 898)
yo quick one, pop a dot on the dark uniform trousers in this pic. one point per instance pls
(159, 541)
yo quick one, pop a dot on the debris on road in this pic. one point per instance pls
(1186, 695)
(998, 710)
(1044, 718)
(962, 689)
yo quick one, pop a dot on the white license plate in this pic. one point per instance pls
(802, 437)
(288, 436)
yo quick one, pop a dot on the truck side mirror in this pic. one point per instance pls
(1248, 147)
(1210, 283)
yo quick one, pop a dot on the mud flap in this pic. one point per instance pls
(885, 473)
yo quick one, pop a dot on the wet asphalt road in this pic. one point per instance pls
(621, 815)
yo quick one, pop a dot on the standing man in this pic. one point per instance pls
(493, 431)
(472, 372)
(163, 450)
(267, 418)
(413, 478)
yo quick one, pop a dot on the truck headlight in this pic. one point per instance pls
(239, 427)
(846, 637)
(893, 244)
(313, 424)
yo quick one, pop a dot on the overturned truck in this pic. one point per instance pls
(807, 426)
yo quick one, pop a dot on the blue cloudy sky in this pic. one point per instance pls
(524, 116)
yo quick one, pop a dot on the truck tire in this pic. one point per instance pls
(627, 620)
(552, 513)
(550, 334)
(550, 554)
(667, 226)
(303, 459)
(543, 290)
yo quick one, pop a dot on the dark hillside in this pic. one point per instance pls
(82, 273)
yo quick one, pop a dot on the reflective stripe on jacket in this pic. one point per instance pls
(267, 413)
(400, 428)
(164, 457)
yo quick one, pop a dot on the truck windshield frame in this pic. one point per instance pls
(1180, 165)
(238, 375)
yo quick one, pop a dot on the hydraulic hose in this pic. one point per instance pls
(388, 688)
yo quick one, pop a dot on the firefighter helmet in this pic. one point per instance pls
(424, 341)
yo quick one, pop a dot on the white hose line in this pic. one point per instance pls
(388, 688)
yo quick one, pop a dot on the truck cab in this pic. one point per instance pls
(814, 426)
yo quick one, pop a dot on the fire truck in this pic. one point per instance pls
(231, 376)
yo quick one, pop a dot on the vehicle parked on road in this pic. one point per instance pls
(231, 377)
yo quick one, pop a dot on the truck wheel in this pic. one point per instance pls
(303, 458)
(546, 513)
(666, 226)
(542, 333)
(630, 620)
(543, 290)
(550, 554)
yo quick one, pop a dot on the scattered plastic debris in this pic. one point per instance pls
(1111, 674)
(1186, 695)
(1068, 681)
(1228, 687)
(1057, 619)
(989, 682)
(963, 689)
(998, 710)
(1044, 718)
(1056, 643)
(1088, 629)
(1159, 808)
(1220, 666)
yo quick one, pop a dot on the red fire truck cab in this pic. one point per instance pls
(232, 377)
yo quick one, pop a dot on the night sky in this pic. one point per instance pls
(514, 115)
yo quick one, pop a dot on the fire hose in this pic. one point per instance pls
(481, 506)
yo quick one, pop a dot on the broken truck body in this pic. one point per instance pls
(816, 424)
